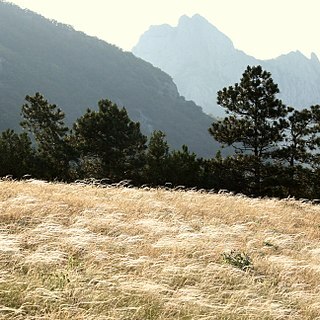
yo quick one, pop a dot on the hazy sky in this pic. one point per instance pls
(262, 28)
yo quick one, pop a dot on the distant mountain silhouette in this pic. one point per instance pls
(74, 71)
(202, 60)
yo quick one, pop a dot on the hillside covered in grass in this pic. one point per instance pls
(83, 252)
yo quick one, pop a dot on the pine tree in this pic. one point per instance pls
(109, 135)
(299, 138)
(185, 168)
(255, 119)
(46, 124)
(16, 154)
(298, 151)
(157, 159)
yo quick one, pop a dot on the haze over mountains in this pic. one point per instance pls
(74, 71)
(202, 60)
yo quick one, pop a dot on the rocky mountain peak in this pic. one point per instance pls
(202, 60)
(194, 22)
(193, 36)
(314, 58)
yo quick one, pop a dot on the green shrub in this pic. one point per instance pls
(238, 259)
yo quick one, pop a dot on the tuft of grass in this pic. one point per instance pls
(70, 251)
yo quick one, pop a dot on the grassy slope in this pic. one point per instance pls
(74, 252)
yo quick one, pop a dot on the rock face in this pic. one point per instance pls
(298, 78)
(75, 71)
(202, 60)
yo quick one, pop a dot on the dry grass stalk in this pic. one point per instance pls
(82, 252)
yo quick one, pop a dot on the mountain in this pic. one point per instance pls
(74, 71)
(202, 60)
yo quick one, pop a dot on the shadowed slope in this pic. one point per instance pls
(74, 71)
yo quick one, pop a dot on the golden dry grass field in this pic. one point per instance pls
(83, 252)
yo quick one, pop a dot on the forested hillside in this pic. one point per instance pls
(75, 71)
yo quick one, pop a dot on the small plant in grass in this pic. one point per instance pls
(238, 259)
(55, 280)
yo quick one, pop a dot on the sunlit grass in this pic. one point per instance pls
(83, 252)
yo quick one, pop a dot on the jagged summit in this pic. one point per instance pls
(314, 57)
(195, 21)
(202, 60)
(297, 54)
(189, 29)
(200, 28)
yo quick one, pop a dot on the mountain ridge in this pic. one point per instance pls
(208, 61)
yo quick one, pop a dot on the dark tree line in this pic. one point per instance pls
(101, 144)
(275, 147)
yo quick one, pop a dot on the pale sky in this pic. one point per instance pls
(262, 28)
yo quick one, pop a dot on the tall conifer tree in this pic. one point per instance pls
(255, 118)
(46, 124)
